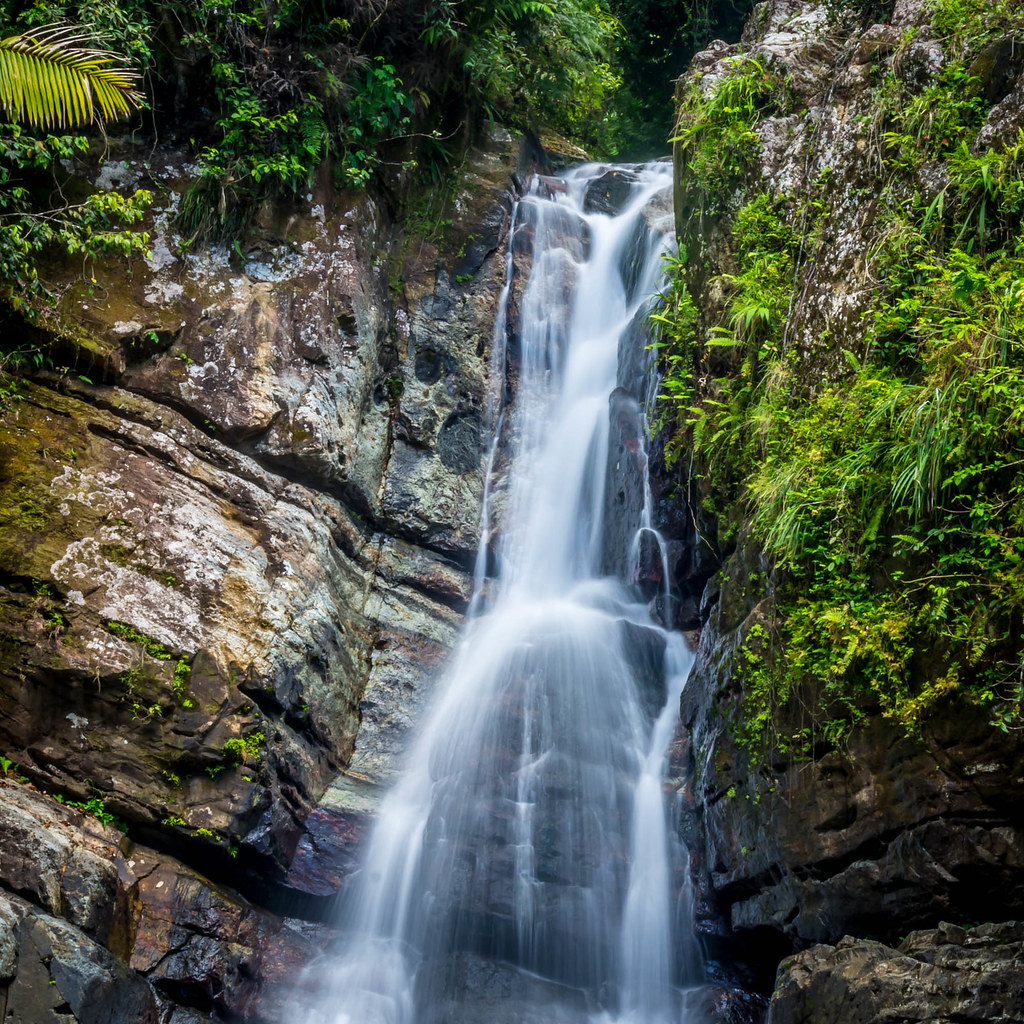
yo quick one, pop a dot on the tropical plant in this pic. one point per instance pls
(50, 80)
(885, 485)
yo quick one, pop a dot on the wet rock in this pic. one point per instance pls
(128, 931)
(195, 555)
(876, 42)
(61, 976)
(328, 851)
(652, 227)
(8, 944)
(644, 649)
(459, 443)
(910, 13)
(938, 975)
(719, 1004)
(609, 192)
(625, 488)
(480, 991)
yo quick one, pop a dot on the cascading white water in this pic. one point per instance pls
(530, 827)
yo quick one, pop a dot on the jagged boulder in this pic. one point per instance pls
(934, 976)
(609, 192)
(95, 929)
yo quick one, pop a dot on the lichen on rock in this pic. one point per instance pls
(235, 530)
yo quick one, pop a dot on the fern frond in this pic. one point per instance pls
(50, 80)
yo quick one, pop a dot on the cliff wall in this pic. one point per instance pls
(238, 521)
(824, 804)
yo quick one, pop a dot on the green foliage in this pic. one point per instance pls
(766, 247)
(549, 61)
(13, 365)
(96, 227)
(726, 424)
(182, 676)
(652, 50)
(244, 749)
(931, 124)
(123, 26)
(144, 711)
(715, 129)
(152, 647)
(379, 109)
(918, 476)
(48, 79)
(674, 321)
(888, 496)
(762, 694)
(337, 87)
(7, 766)
(967, 25)
(362, 88)
(919, 473)
(97, 807)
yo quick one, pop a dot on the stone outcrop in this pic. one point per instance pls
(882, 832)
(237, 526)
(95, 928)
(944, 974)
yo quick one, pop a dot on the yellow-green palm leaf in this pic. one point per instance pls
(50, 80)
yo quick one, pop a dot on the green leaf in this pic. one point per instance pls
(49, 80)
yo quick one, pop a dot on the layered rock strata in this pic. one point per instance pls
(237, 531)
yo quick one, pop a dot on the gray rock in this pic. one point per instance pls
(273, 497)
(936, 976)
(8, 943)
(62, 975)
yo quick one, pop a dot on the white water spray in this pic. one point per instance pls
(530, 829)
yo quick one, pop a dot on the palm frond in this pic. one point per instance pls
(51, 80)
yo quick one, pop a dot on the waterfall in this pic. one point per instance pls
(523, 868)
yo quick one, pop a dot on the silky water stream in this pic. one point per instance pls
(523, 869)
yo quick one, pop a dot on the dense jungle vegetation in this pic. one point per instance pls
(886, 487)
(267, 94)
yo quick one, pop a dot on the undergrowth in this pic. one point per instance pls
(888, 496)
(715, 134)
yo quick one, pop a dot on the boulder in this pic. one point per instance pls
(943, 974)
(114, 931)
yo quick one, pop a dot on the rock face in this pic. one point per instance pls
(944, 974)
(236, 530)
(96, 929)
(881, 833)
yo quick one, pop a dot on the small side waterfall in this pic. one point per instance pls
(522, 869)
